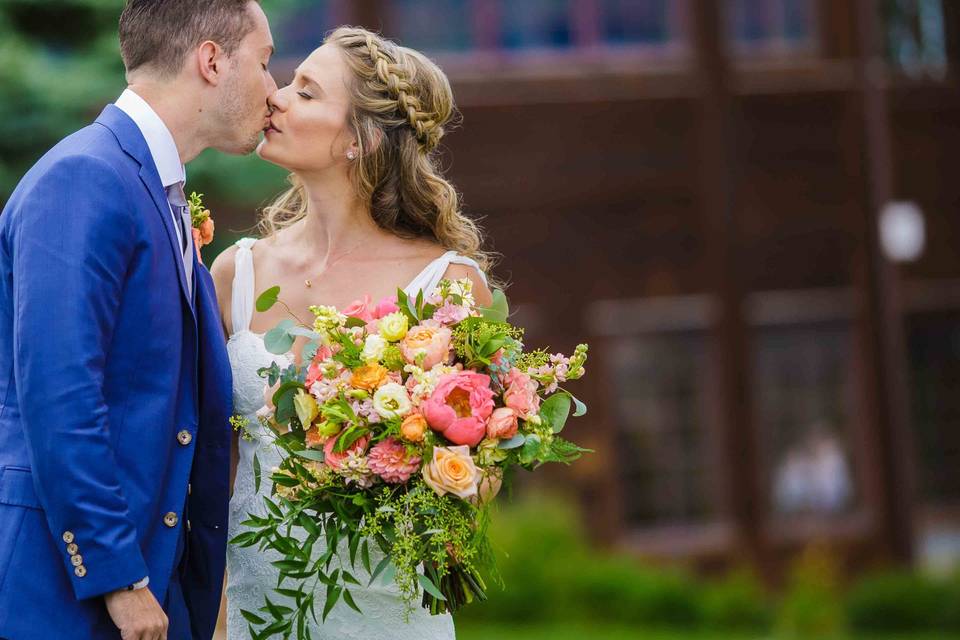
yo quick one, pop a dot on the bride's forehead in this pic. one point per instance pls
(325, 64)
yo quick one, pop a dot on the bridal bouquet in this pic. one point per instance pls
(397, 433)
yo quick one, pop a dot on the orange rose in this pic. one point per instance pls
(369, 377)
(413, 427)
(206, 230)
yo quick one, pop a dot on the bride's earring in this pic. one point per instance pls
(351, 155)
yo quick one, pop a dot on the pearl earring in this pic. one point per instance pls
(351, 155)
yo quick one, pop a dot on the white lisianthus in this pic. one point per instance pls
(391, 401)
(373, 348)
(394, 326)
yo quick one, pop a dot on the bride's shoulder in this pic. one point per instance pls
(223, 267)
(481, 292)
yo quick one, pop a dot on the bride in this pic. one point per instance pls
(368, 213)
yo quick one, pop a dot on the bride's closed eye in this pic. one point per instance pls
(304, 95)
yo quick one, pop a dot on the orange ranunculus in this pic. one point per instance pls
(369, 377)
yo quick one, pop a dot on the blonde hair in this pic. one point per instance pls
(402, 103)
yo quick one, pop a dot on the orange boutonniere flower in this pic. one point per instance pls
(201, 221)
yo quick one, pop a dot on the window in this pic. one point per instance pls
(934, 352)
(457, 26)
(771, 24)
(915, 35)
(666, 460)
(803, 397)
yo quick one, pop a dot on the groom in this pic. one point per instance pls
(114, 383)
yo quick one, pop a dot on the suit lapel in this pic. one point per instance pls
(132, 141)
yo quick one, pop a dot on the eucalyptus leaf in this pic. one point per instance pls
(267, 299)
(499, 309)
(513, 443)
(279, 340)
(555, 410)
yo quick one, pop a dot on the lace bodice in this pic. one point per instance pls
(250, 575)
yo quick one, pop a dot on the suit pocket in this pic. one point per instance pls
(16, 496)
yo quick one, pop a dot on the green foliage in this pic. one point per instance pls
(60, 64)
(737, 602)
(904, 601)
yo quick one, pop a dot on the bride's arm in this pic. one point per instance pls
(222, 272)
(481, 292)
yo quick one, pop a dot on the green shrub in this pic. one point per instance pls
(738, 602)
(904, 601)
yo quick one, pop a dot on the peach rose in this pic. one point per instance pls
(431, 341)
(369, 377)
(413, 427)
(452, 470)
(502, 424)
(521, 394)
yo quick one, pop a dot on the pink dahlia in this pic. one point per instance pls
(389, 460)
(460, 406)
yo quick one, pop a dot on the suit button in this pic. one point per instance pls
(80, 571)
(68, 536)
(72, 549)
(170, 519)
(76, 560)
(184, 437)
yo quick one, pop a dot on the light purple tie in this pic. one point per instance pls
(181, 220)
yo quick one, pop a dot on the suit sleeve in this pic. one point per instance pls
(73, 242)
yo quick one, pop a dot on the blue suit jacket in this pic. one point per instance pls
(115, 394)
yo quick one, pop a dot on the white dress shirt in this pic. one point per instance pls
(165, 155)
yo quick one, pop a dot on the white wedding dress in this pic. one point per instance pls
(250, 576)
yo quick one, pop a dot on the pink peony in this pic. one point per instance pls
(431, 341)
(459, 407)
(389, 460)
(450, 313)
(385, 306)
(521, 394)
(334, 460)
(502, 424)
(360, 309)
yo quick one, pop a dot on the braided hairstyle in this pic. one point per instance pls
(401, 104)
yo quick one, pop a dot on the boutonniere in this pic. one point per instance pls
(201, 221)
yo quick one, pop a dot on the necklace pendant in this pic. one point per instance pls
(308, 283)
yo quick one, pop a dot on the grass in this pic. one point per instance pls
(475, 631)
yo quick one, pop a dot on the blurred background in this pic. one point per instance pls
(749, 209)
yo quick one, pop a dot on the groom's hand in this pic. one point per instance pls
(137, 614)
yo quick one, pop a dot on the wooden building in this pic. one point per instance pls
(695, 188)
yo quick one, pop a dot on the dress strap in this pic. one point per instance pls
(428, 279)
(241, 296)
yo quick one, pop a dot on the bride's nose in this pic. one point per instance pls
(276, 101)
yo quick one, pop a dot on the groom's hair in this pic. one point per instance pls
(158, 34)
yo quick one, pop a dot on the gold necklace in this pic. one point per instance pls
(309, 281)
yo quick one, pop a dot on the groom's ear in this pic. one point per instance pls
(210, 61)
